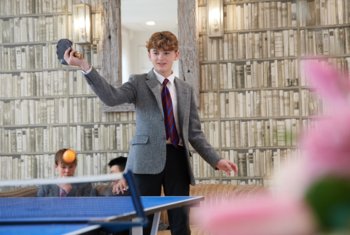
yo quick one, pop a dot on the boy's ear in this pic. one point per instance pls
(177, 53)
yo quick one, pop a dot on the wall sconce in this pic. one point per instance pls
(81, 23)
(215, 18)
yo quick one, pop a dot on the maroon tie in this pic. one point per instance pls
(169, 121)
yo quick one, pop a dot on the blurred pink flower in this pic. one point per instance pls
(326, 147)
(311, 193)
(261, 214)
(330, 84)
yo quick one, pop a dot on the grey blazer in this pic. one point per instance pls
(78, 190)
(147, 153)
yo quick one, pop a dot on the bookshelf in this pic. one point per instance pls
(254, 98)
(46, 106)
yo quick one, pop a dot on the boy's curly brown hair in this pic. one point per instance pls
(163, 40)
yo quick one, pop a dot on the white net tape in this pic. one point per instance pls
(62, 180)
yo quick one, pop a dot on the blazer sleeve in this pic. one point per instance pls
(109, 94)
(197, 137)
(48, 191)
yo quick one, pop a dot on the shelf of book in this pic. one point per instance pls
(254, 97)
(231, 180)
(46, 106)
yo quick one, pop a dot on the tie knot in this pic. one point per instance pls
(165, 82)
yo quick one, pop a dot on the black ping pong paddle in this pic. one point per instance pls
(61, 47)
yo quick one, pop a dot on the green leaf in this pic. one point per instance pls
(329, 199)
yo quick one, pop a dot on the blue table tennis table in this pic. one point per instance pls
(83, 215)
(86, 215)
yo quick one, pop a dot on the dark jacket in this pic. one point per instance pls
(78, 190)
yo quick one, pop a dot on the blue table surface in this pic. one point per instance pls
(47, 229)
(79, 209)
(73, 213)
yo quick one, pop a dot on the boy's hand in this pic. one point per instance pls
(227, 166)
(120, 187)
(71, 59)
(66, 187)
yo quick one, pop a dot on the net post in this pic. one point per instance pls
(135, 196)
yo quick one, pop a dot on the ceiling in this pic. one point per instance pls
(136, 12)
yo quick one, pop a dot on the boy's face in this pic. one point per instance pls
(65, 170)
(115, 169)
(163, 60)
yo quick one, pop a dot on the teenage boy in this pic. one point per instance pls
(116, 165)
(167, 122)
(66, 168)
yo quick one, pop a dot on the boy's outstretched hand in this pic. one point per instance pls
(227, 166)
(71, 59)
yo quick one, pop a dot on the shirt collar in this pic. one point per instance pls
(161, 78)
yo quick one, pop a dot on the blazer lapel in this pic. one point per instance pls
(153, 84)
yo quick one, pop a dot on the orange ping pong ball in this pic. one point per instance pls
(69, 156)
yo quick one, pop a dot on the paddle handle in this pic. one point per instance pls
(78, 55)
